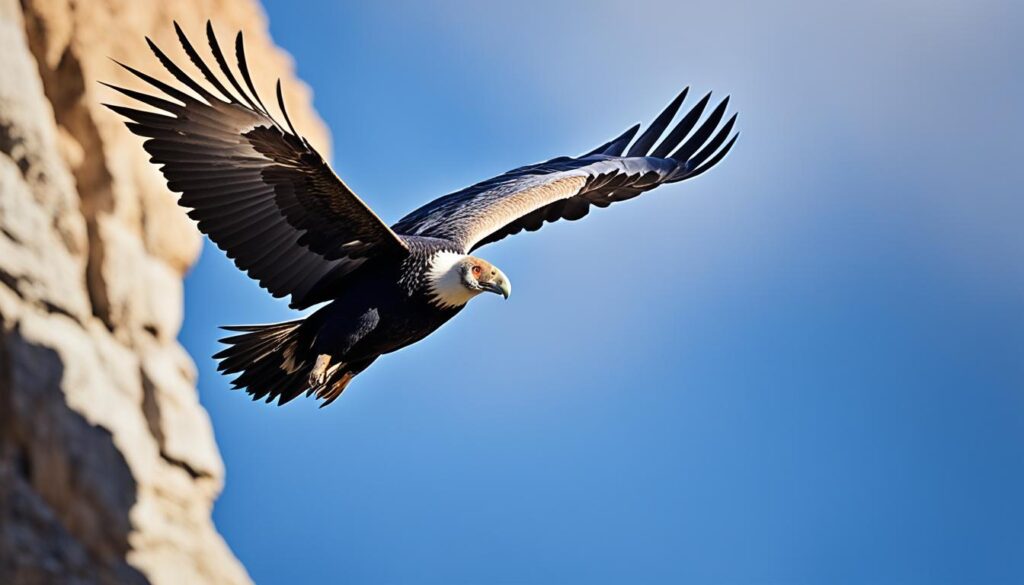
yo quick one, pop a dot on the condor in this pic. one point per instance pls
(265, 197)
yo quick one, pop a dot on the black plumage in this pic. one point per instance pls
(266, 197)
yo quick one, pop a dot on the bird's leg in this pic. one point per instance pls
(318, 375)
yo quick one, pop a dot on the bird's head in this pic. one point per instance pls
(454, 279)
(479, 275)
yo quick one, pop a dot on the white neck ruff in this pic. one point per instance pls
(444, 281)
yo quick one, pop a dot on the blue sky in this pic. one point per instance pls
(806, 366)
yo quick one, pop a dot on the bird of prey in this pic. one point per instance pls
(269, 200)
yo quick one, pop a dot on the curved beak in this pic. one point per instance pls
(500, 285)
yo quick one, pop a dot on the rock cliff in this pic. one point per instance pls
(108, 465)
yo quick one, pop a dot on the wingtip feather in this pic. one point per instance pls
(643, 145)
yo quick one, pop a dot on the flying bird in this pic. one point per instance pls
(263, 194)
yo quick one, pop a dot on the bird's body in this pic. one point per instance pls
(387, 308)
(265, 196)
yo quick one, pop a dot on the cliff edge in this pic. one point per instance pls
(108, 465)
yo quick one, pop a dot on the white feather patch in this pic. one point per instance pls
(444, 281)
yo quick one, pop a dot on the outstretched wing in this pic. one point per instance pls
(258, 189)
(566, 188)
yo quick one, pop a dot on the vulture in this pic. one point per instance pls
(264, 196)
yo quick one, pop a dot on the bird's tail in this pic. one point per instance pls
(271, 360)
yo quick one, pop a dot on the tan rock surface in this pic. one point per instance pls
(108, 465)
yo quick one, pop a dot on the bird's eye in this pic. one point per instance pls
(476, 271)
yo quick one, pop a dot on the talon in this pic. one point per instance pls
(336, 389)
(318, 375)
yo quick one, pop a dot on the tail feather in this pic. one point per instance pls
(270, 360)
(251, 347)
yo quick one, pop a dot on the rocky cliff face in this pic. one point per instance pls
(108, 466)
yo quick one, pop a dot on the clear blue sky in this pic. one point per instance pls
(806, 366)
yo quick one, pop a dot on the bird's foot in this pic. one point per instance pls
(329, 395)
(318, 376)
